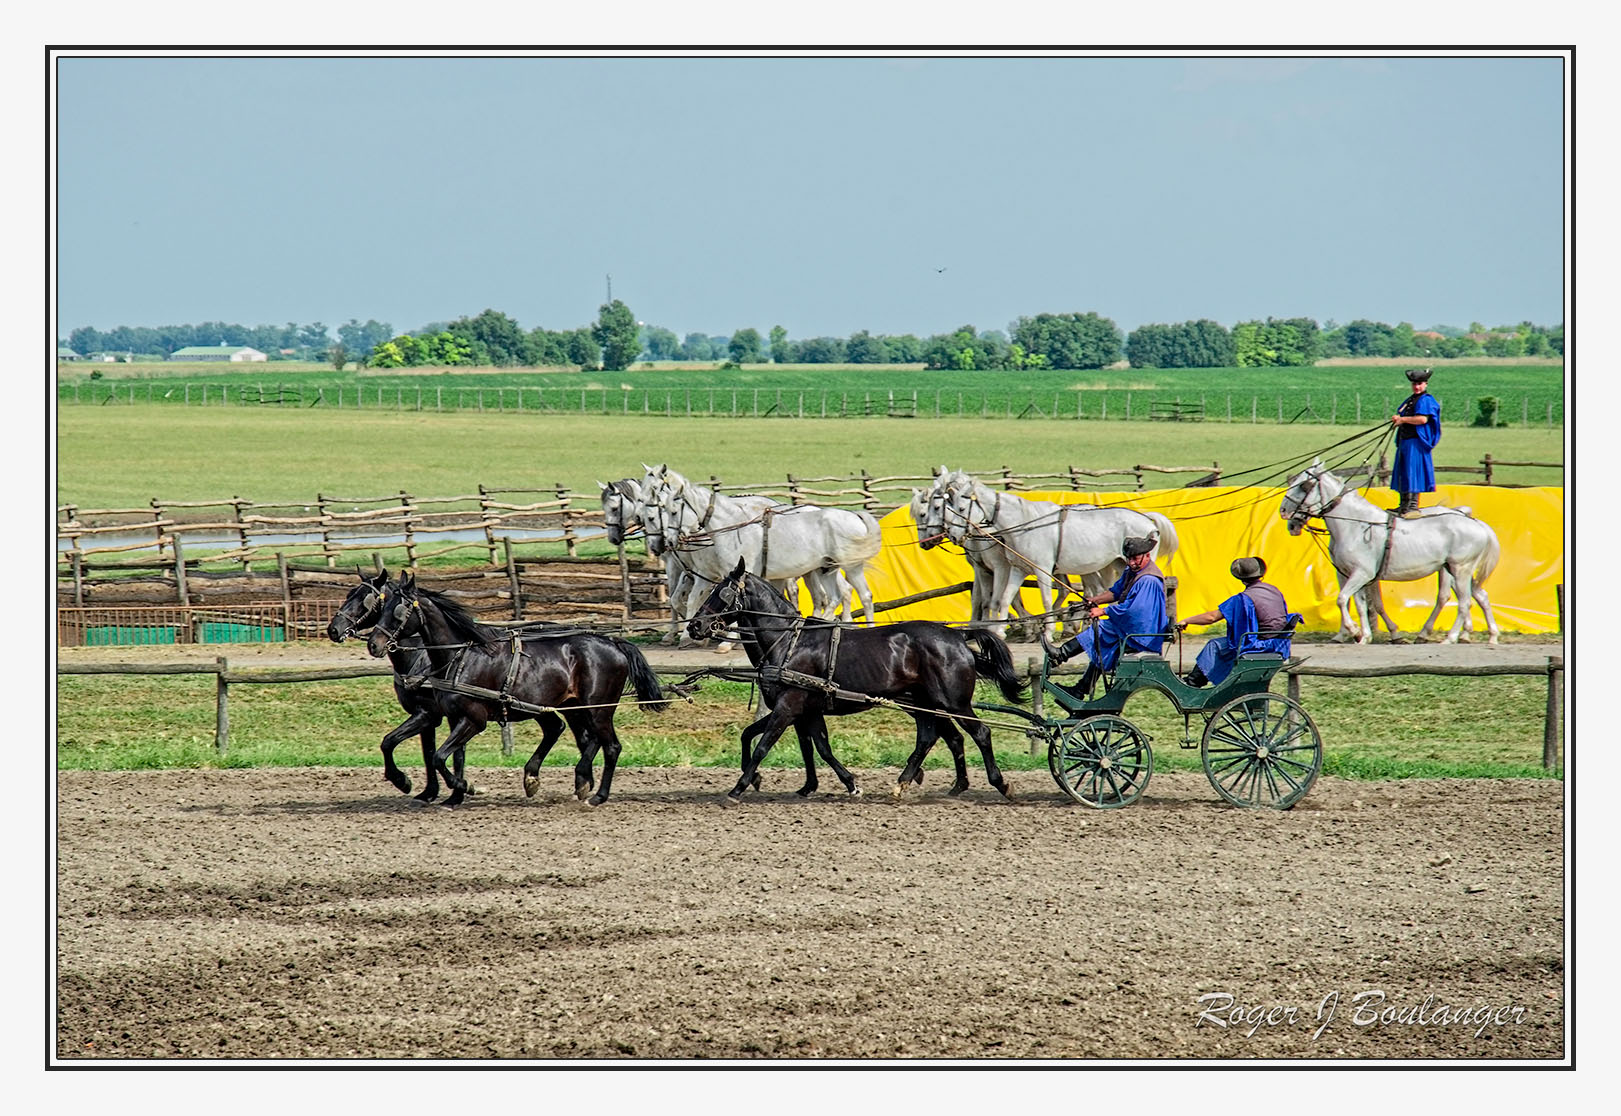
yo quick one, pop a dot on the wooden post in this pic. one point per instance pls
(410, 537)
(1038, 700)
(1007, 479)
(506, 738)
(222, 716)
(868, 499)
(326, 538)
(286, 591)
(180, 573)
(793, 490)
(1170, 600)
(1486, 466)
(487, 516)
(568, 530)
(78, 575)
(241, 529)
(1550, 726)
(1559, 599)
(512, 581)
(624, 581)
(157, 519)
(1294, 686)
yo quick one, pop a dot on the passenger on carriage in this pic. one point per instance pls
(1136, 620)
(1251, 615)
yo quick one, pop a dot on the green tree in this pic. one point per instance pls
(697, 346)
(583, 349)
(615, 332)
(779, 344)
(493, 337)
(745, 346)
(864, 348)
(1070, 340)
(659, 343)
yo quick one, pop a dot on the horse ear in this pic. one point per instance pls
(602, 486)
(741, 569)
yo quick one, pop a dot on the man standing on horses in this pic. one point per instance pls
(1418, 429)
(1259, 608)
(1137, 612)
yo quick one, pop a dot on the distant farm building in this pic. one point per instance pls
(67, 354)
(233, 353)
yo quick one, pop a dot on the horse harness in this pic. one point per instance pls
(780, 673)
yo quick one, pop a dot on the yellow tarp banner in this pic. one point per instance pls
(1216, 525)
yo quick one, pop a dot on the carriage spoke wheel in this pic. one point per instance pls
(1262, 750)
(1103, 762)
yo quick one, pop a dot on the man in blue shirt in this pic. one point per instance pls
(1259, 608)
(1136, 620)
(1418, 429)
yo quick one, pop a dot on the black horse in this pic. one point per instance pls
(581, 675)
(360, 610)
(927, 667)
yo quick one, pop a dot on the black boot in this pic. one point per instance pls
(1083, 688)
(1195, 678)
(1064, 651)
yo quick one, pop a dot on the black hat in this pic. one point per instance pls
(1418, 375)
(1132, 548)
(1249, 569)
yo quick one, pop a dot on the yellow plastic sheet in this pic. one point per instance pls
(1216, 525)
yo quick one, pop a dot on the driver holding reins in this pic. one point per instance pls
(1136, 620)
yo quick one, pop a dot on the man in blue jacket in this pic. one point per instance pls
(1418, 429)
(1259, 608)
(1136, 606)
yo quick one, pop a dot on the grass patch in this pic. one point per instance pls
(1397, 728)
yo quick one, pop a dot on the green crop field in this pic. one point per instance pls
(124, 456)
(1528, 395)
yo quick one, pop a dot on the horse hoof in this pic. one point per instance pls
(595, 800)
(806, 791)
(1006, 788)
(896, 791)
(956, 788)
(853, 791)
(755, 782)
(668, 639)
(399, 780)
(722, 648)
(531, 784)
(1465, 638)
(728, 801)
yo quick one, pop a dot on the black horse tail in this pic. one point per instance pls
(642, 676)
(993, 660)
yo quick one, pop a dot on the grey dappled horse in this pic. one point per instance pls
(1368, 545)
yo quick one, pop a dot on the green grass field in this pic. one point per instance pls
(1407, 727)
(126, 456)
(1530, 395)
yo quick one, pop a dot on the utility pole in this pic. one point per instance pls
(610, 290)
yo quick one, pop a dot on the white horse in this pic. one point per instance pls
(928, 513)
(827, 547)
(1045, 539)
(622, 513)
(1368, 545)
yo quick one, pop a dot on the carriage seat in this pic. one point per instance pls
(1252, 648)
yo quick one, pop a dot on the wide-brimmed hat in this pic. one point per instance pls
(1133, 548)
(1418, 375)
(1249, 569)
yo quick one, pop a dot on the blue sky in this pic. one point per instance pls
(816, 193)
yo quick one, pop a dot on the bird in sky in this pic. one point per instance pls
(938, 270)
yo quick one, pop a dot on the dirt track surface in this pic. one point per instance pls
(320, 914)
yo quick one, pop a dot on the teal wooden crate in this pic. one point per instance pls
(120, 635)
(216, 631)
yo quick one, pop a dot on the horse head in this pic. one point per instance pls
(621, 502)
(722, 606)
(359, 609)
(1312, 492)
(399, 614)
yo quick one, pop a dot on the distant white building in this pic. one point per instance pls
(234, 353)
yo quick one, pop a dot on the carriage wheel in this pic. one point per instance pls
(1103, 762)
(1262, 750)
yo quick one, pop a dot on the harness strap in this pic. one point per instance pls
(833, 653)
(1058, 555)
(512, 673)
(1390, 538)
(765, 546)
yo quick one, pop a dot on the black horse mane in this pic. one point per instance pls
(461, 619)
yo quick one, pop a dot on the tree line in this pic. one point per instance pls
(616, 340)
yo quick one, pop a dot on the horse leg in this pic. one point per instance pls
(1443, 591)
(806, 751)
(928, 732)
(430, 770)
(455, 744)
(1478, 591)
(1462, 586)
(551, 727)
(749, 734)
(782, 715)
(824, 748)
(948, 729)
(1044, 583)
(413, 726)
(1374, 593)
(604, 731)
(857, 578)
(585, 739)
(982, 736)
(1351, 585)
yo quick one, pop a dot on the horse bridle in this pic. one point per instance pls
(1298, 517)
(383, 617)
(373, 599)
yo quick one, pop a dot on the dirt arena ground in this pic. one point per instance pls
(319, 914)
